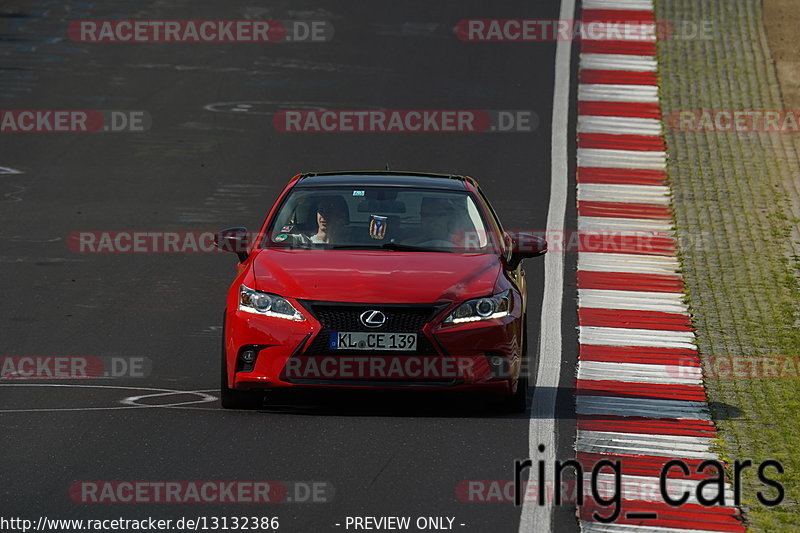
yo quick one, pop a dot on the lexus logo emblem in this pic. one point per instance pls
(372, 319)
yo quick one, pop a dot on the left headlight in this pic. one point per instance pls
(496, 306)
(264, 303)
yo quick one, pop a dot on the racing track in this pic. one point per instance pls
(213, 159)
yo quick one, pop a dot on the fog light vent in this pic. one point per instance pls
(247, 358)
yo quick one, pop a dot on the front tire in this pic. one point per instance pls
(518, 401)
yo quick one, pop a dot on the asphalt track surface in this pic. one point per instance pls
(198, 169)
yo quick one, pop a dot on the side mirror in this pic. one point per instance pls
(523, 246)
(234, 240)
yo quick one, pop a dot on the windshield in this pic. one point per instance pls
(387, 218)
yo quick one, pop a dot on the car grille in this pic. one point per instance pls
(345, 317)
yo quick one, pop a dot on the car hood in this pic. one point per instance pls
(373, 277)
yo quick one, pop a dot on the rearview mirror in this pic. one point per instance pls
(234, 240)
(523, 246)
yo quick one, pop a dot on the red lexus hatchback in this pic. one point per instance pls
(377, 279)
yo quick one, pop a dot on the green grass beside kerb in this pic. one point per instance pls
(731, 212)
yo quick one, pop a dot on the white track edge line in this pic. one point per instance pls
(542, 427)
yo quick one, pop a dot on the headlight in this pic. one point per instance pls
(262, 303)
(496, 306)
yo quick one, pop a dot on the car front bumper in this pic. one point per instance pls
(482, 355)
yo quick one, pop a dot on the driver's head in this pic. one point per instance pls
(435, 215)
(330, 213)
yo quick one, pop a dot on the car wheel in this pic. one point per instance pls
(518, 401)
(232, 398)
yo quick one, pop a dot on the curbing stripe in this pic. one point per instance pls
(612, 141)
(654, 338)
(640, 407)
(618, 62)
(627, 263)
(637, 389)
(617, 77)
(634, 47)
(619, 125)
(618, 10)
(637, 443)
(626, 281)
(593, 157)
(608, 192)
(619, 318)
(625, 225)
(598, 527)
(636, 300)
(644, 5)
(711, 518)
(620, 109)
(623, 176)
(640, 464)
(637, 243)
(646, 488)
(618, 93)
(616, 373)
(624, 210)
(640, 354)
(650, 465)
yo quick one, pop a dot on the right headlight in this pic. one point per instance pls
(496, 306)
(264, 303)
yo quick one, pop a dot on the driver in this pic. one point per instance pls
(331, 222)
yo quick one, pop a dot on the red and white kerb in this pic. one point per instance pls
(640, 396)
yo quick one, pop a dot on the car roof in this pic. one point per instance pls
(383, 178)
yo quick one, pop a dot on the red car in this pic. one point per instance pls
(377, 279)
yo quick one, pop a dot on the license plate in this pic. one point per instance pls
(342, 340)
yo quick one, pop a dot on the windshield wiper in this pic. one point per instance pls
(353, 247)
(388, 246)
(410, 247)
(385, 246)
